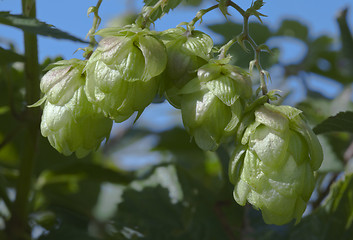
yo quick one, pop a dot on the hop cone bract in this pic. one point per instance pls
(62, 80)
(273, 166)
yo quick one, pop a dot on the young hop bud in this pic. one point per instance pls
(212, 103)
(187, 51)
(69, 120)
(273, 166)
(122, 72)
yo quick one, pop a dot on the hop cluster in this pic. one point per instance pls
(276, 154)
(128, 69)
(273, 166)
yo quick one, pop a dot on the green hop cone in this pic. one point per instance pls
(187, 51)
(212, 104)
(273, 166)
(122, 72)
(69, 121)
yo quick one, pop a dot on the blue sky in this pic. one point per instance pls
(70, 15)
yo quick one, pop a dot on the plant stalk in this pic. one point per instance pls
(95, 24)
(246, 37)
(201, 13)
(18, 228)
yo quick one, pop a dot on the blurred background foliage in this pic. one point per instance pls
(150, 182)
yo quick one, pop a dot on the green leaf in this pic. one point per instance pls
(320, 51)
(192, 3)
(343, 121)
(8, 153)
(253, 9)
(82, 170)
(259, 32)
(8, 56)
(321, 57)
(202, 165)
(35, 26)
(70, 226)
(78, 197)
(346, 35)
(152, 214)
(333, 158)
(223, 6)
(292, 28)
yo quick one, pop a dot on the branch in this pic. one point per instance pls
(200, 14)
(245, 36)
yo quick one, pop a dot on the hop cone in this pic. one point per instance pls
(186, 51)
(69, 121)
(212, 103)
(122, 72)
(273, 167)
